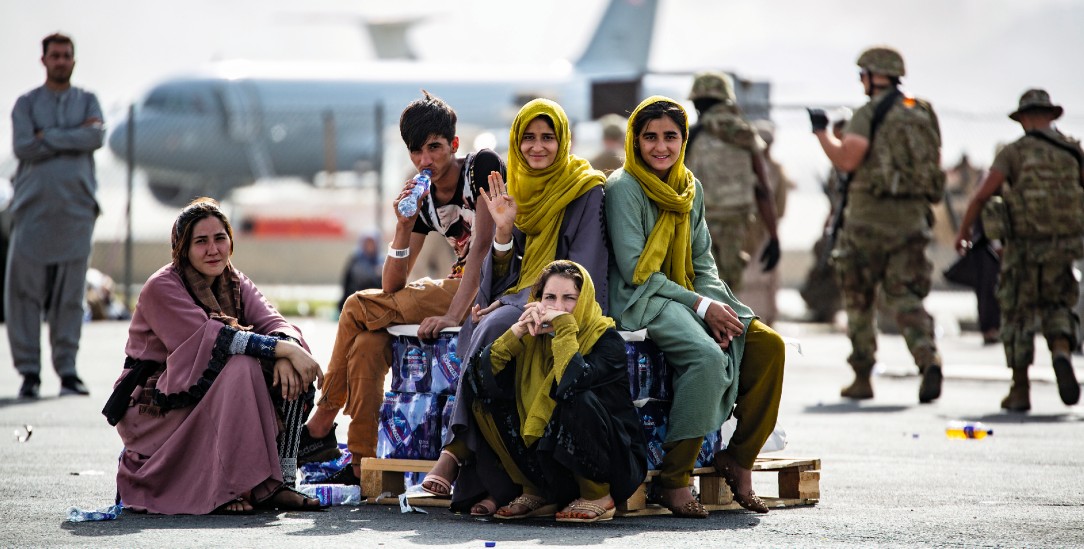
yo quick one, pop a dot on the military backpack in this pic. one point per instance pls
(1045, 199)
(905, 159)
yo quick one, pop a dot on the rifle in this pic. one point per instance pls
(843, 183)
(836, 224)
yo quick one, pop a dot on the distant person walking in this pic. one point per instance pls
(1040, 177)
(893, 146)
(364, 269)
(57, 127)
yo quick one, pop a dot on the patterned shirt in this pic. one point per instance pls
(455, 219)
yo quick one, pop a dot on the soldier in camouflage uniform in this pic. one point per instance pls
(727, 156)
(887, 222)
(612, 155)
(760, 288)
(1040, 177)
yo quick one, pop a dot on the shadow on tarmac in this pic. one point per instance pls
(1005, 418)
(849, 407)
(439, 527)
(15, 401)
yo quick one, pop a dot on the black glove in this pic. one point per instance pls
(770, 256)
(819, 119)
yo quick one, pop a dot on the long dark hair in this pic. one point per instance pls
(181, 236)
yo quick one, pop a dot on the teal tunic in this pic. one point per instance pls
(705, 376)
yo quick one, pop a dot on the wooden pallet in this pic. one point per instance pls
(798, 481)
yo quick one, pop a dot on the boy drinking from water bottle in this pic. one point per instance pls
(362, 353)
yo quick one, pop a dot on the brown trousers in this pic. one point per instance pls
(360, 359)
(760, 390)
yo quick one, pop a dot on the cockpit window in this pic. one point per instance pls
(176, 100)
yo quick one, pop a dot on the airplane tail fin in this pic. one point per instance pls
(622, 40)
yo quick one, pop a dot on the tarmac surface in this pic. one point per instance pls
(889, 477)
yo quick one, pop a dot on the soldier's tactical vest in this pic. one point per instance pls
(1046, 200)
(725, 171)
(905, 160)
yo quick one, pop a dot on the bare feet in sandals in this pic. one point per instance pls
(681, 503)
(237, 506)
(484, 508)
(288, 499)
(583, 510)
(439, 480)
(526, 506)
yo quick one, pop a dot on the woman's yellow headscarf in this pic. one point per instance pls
(544, 359)
(668, 248)
(542, 195)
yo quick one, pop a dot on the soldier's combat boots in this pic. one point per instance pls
(861, 388)
(930, 388)
(1068, 388)
(1018, 399)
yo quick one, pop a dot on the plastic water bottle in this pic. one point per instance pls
(332, 494)
(644, 368)
(414, 368)
(408, 206)
(967, 429)
(76, 514)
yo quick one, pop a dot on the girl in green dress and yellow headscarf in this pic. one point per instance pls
(663, 278)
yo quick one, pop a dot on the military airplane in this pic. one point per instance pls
(235, 122)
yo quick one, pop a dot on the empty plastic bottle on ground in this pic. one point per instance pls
(967, 429)
(76, 514)
(332, 494)
(408, 206)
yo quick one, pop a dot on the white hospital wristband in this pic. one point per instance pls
(502, 247)
(702, 309)
(398, 254)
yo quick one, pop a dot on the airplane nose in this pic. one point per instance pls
(118, 139)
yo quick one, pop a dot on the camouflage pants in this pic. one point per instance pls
(1030, 289)
(866, 259)
(727, 239)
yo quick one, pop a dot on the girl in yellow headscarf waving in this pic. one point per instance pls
(551, 208)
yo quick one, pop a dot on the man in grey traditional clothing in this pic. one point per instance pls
(57, 128)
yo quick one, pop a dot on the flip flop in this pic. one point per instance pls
(225, 510)
(536, 507)
(601, 513)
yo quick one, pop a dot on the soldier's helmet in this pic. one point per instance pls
(882, 60)
(1036, 99)
(713, 85)
(613, 126)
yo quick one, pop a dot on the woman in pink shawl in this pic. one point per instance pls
(207, 359)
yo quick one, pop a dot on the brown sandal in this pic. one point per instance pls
(581, 507)
(536, 507)
(723, 465)
(690, 509)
